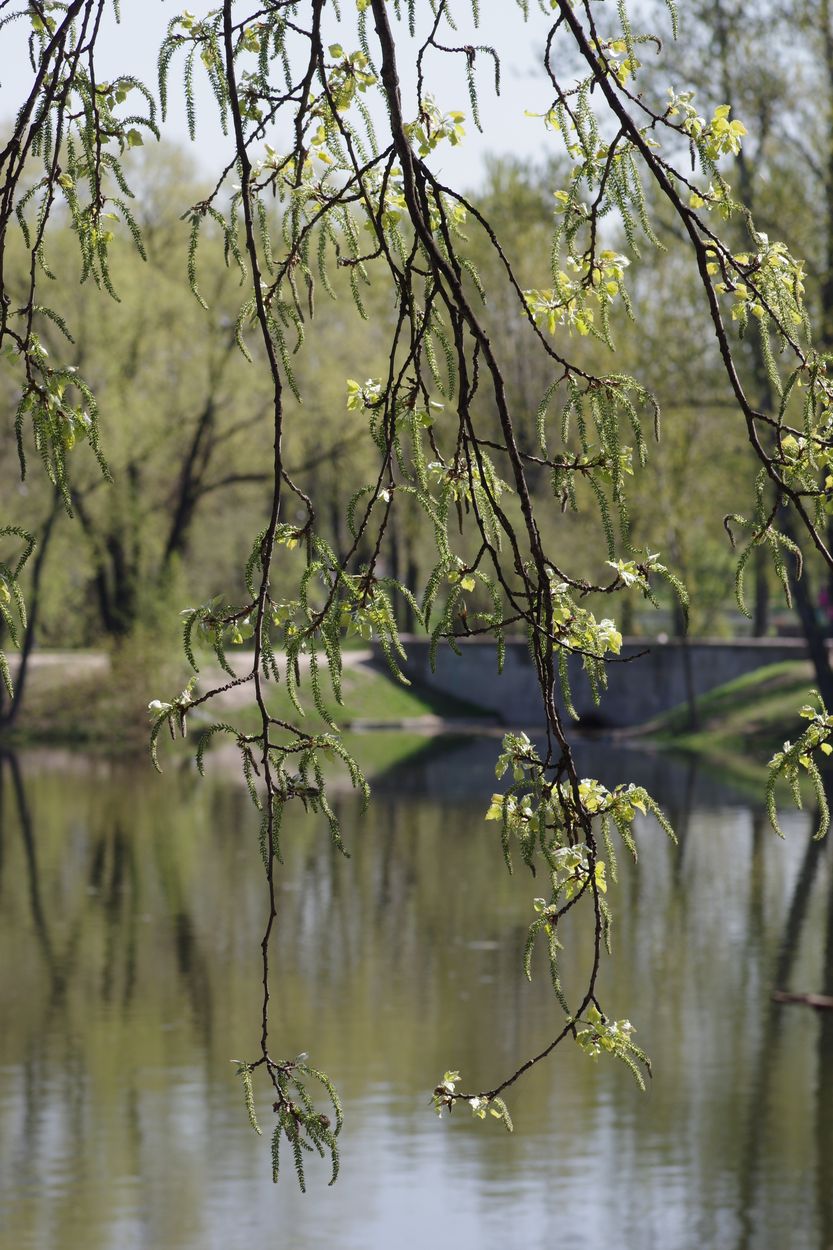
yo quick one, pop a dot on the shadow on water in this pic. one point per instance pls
(130, 912)
(463, 767)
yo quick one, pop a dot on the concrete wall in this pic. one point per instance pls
(637, 691)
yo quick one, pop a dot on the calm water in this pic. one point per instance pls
(130, 914)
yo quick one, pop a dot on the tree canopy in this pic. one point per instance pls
(490, 394)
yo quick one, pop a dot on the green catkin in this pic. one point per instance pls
(248, 1092)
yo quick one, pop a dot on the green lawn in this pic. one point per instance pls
(66, 703)
(742, 723)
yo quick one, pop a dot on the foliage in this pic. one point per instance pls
(347, 186)
(12, 606)
(797, 756)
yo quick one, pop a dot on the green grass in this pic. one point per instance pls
(109, 711)
(372, 695)
(742, 723)
(754, 709)
(378, 753)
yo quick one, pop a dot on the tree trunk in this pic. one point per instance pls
(814, 633)
(10, 714)
(760, 614)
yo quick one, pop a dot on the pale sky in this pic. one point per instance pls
(132, 48)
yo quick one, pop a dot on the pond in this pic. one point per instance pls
(131, 909)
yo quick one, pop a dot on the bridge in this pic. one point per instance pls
(649, 678)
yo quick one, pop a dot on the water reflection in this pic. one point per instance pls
(130, 914)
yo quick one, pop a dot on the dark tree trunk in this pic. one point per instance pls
(10, 714)
(814, 633)
(190, 480)
(760, 615)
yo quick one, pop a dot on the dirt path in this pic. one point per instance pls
(77, 665)
(211, 674)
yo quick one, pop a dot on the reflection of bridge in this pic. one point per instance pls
(668, 675)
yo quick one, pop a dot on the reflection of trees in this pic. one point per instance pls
(55, 966)
(111, 896)
(404, 957)
(2, 822)
(680, 815)
(113, 887)
(115, 897)
(824, 1092)
(189, 959)
(760, 1083)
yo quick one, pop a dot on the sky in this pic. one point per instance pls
(132, 48)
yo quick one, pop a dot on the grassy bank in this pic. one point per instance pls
(95, 701)
(98, 701)
(740, 725)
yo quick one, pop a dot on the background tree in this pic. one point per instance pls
(781, 175)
